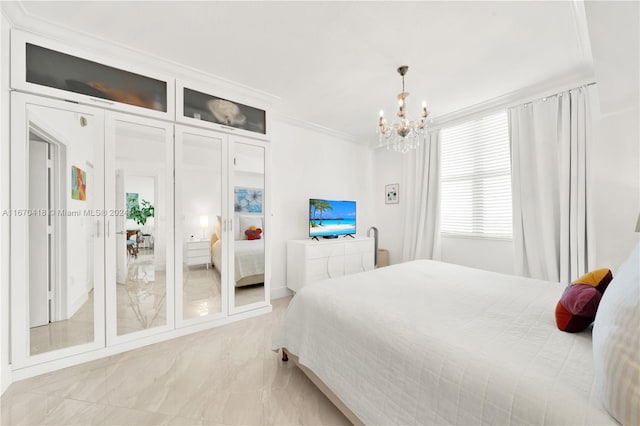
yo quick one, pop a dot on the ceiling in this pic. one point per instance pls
(334, 63)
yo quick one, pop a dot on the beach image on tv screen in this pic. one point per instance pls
(328, 217)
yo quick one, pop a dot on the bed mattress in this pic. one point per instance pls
(427, 342)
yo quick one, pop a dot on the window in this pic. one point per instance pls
(476, 178)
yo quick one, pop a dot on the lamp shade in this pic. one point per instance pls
(204, 221)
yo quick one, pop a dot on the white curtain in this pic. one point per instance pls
(552, 231)
(420, 194)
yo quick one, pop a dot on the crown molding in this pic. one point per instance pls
(21, 19)
(582, 31)
(287, 119)
(517, 97)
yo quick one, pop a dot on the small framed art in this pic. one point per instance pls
(392, 193)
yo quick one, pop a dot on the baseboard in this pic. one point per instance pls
(76, 304)
(280, 292)
(5, 378)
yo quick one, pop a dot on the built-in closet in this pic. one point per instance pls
(139, 207)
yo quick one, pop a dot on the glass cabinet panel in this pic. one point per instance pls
(58, 70)
(212, 109)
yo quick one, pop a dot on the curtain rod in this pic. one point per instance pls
(496, 104)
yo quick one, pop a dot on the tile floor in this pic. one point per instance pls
(226, 375)
(141, 303)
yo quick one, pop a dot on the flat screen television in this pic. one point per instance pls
(331, 218)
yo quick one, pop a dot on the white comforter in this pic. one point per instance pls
(433, 343)
(249, 257)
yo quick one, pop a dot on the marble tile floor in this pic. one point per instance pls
(226, 375)
(141, 304)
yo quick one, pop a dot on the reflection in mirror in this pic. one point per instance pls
(61, 232)
(248, 224)
(140, 167)
(201, 193)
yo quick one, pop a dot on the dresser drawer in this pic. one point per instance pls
(357, 247)
(323, 250)
(197, 252)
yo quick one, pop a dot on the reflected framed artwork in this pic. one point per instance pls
(132, 201)
(78, 184)
(247, 200)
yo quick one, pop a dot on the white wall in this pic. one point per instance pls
(492, 255)
(5, 372)
(615, 165)
(312, 164)
(387, 169)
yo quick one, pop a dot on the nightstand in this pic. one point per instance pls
(198, 253)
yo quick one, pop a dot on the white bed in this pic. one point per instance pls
(433, 343)
(249, 260)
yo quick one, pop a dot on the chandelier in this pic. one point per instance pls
(406, 134)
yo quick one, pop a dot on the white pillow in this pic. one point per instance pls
(248, 221)
(616, 343)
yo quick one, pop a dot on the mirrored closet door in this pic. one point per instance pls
(201, 209)
(139, 234)
(248, 256)
(57, 237)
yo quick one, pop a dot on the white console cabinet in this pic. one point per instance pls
(311, 260)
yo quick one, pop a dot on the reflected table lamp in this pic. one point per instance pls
(204, 224)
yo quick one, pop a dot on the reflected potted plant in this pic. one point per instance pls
(141, 212)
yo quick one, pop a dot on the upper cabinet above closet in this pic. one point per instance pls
(42, 66)
(200, 106)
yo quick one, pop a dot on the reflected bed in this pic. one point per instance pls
(249, 260)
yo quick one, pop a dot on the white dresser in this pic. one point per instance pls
(198, 253)
(310, 260)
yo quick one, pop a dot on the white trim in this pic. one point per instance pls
(6, 377)
(287, 119)
(280, 292)
(25, 373)
(511, 99)
(582, 30)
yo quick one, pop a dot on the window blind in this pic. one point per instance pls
(476, 178)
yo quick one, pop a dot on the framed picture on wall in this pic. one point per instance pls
(392, 193)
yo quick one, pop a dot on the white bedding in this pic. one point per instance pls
(249, 257)
(428, 342)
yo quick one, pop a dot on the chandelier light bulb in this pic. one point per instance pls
(381, 113)
(424, 104)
